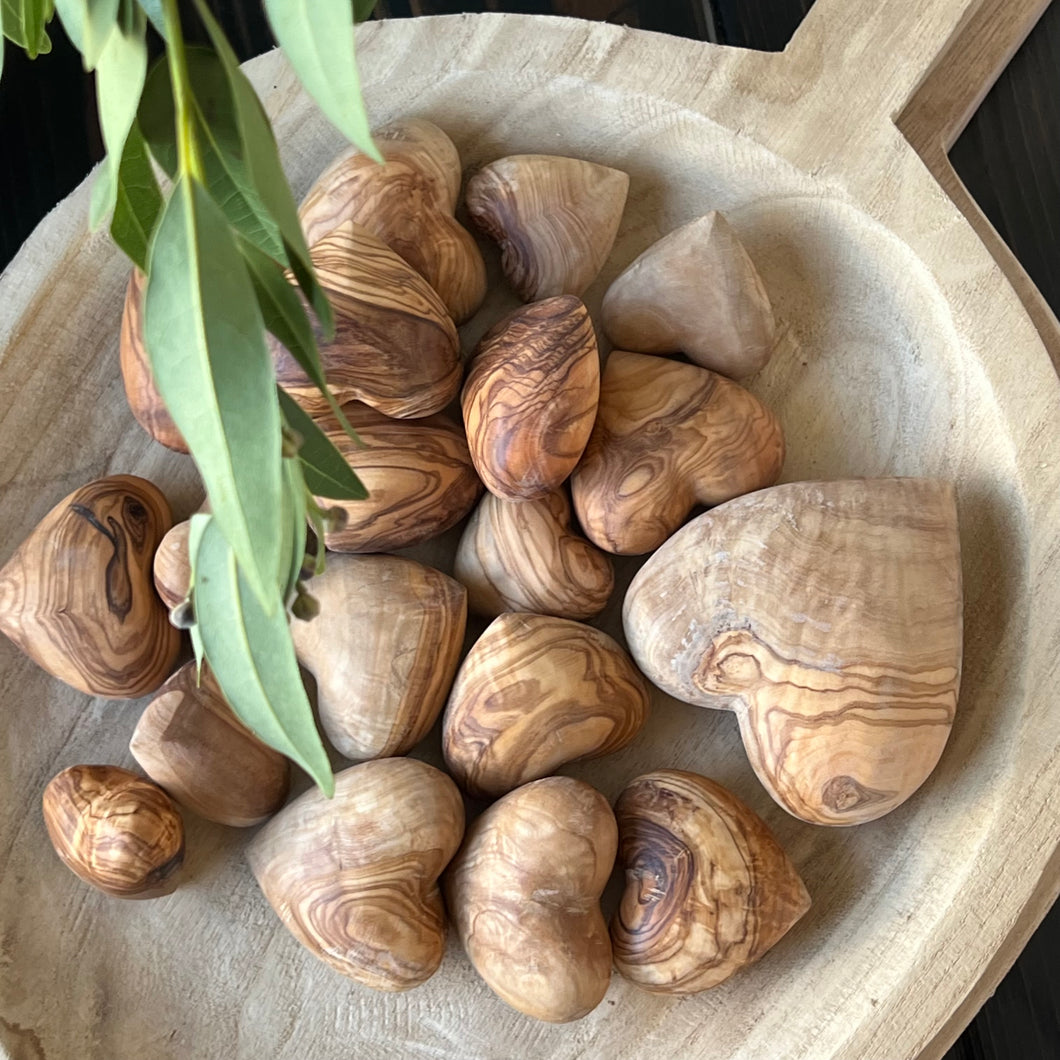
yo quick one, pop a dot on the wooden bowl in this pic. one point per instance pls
(909, 346)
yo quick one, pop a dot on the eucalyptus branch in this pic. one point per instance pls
(188, 155)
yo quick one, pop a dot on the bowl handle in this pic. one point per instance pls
(924, 65)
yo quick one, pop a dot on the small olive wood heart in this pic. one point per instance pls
(395, 345)
(408, 203)
(419, 477)
(667, 436)
(189, 741)
(526, 556)
(531, 396)
(355, 877)
(78, 595)
(534, 693)
(383, 649)
(708, 889)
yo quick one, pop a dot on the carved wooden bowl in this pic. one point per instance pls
(910, 344)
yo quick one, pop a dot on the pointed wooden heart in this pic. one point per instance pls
(78, 596)
(827, 615)
(554, 218)
(694, 292)
(668, 436)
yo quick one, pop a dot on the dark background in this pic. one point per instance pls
(1009, 158)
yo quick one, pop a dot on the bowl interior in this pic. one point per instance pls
(870, 378)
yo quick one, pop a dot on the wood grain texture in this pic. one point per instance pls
(78, 598)
(171, 567)
(697, 292)
(531, 396)
(395, 346)
(408, 203)
(668, 436)
(526, 556)
(524, 894)
(708, 889)
(554, 218)
(143, 396)
(419, 477)
(828, 615)
(897, 337)
(384, 650)
(534, 693)
(115, 830)
(189, 742)
(354, 877)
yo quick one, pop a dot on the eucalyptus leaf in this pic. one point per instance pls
(101, 16)
(139, 201)
(362, 9)
(23, 22)
(206, 343)
(327, 474)
(285, 317)
(317, 38)
(2, 48)
(262, 159)
(249, 650)
(153, 10)
(295, 490)
(157, 118)
(198, 523)
(226, 174)
(120, 77)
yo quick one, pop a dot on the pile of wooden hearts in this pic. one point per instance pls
(826, 615)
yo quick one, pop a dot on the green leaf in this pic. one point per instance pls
(362, 10)
(72, 15)
(156, 117)
(295, 510)
(262, 159)
(251, 654)
(317, 38)
(23, 23)
(153, 10)
(101, 16)
(285, 317)
(2, 38)
(327, 474)
(199, 522)
(139, 200)
(119, 81)
(227, 176)
(206, 343)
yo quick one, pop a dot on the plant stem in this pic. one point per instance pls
(188, 157)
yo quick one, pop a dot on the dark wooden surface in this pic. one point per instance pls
(1009, 157)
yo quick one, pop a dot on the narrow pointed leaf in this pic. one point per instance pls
(119, 82)
(206, 343)
(199, 522)
(327, 474)
(157, 118)
(317, 38)
(251, 653)
(2, 49)
(72, 15)
(153, 10)
(139, 201)
(23, 23)
(262, 159)
(285, 317)
(101, 16)
(296, 513)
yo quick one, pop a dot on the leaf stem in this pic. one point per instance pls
(188, 157)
